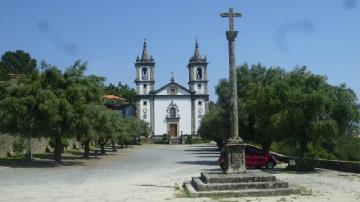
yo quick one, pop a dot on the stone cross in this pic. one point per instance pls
(231, 16)
(231, 35)
(234, 147)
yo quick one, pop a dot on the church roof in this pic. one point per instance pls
(172, 83)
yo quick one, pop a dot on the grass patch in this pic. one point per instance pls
(16, 157)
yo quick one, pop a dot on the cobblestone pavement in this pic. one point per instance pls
(153, 173)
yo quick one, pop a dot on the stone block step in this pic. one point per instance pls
(199, 185)
(249, 176)
(240, 193)
(175, 140)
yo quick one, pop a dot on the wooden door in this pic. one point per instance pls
(173, 130)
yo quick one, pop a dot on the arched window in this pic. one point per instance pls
(199, 73)
(145, 75)
(172, 112)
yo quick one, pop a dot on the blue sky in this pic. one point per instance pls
(323, 35)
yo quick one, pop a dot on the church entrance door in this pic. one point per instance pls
(173, 130)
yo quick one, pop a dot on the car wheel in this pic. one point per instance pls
(270, 165)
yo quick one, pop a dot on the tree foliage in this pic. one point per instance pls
(297, 107)
(120, 90)
(18, 62)
(56, 104)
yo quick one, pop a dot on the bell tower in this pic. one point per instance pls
(144, 86)
(198, 73)
(198, 86)
(144, 72)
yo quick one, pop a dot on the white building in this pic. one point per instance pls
(172, 109)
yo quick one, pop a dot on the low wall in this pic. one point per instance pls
(6, 142)
(38, 145)
(345, 166)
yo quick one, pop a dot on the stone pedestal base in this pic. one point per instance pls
(253, 183)
(234, 157)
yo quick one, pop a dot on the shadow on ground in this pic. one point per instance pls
(209, 153)
(38, 163)
(69, 158)
(210, 163)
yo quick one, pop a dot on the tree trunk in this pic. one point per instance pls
(102, 149)
(86, 149)
(29, 153)
(58, 146)
(113, 145)
(102, 143)
(266, 146)
(303, 151)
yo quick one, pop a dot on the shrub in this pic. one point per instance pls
(166, 138)
(18, 146)
(189, 139)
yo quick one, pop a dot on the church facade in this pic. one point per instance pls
(172, 109)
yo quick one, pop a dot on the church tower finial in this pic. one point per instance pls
(145, 54)
(197, 51)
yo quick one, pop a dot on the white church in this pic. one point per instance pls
(172, 109)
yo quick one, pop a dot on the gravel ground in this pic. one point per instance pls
(153, 173)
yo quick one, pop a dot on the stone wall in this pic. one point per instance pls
(6, 142)
(345, 166)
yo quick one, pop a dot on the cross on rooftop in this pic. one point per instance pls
(231, 16)
(172, 76)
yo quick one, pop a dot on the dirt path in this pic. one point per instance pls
(152, 173)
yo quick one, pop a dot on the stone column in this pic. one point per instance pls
(234, 147)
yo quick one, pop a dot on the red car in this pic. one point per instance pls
(254, 157)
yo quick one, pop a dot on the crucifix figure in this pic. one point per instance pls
(234, 147)
(231, 16)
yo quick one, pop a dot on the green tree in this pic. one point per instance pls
(18, 62)
(85, 95)
(296, 106)
(215, 125)
(120, 90)
(21, 63)
(57, 113)
(105, 127)
(19, 112)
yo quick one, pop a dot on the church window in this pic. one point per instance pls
(145, 75)
(172, 112)
(199, 73)
(199, 103)
(145, 103)
(199, 86)
(145, 116)
(199, 116)
(145, 88)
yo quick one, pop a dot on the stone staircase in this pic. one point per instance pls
(175, 140)
(253, 183)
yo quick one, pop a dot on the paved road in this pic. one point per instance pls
(143, 173)
(152, 173)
